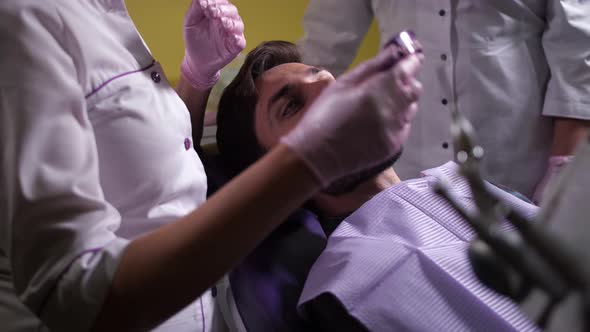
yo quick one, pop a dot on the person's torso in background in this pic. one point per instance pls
(486, 59)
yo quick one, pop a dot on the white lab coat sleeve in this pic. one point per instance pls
(334, 30)
(566, 41)
(55, 226)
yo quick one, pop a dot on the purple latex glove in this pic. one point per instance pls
(360, 120)
(213, 37)
(556, 164)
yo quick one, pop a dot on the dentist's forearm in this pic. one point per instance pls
(567, 133)
(165, 270)
(196, 101)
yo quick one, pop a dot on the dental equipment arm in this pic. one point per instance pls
(512, 263)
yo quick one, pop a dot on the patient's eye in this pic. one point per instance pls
(316, 70)
(292, 107)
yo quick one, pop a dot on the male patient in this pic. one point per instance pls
(396, 255)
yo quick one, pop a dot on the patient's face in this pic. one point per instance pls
(285, 94)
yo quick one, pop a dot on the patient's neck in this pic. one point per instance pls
(342, 205)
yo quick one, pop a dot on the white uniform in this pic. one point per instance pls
(502, 63)
(96, 149)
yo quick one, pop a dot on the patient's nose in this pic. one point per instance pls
(314, 87)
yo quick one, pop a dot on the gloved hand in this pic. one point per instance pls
(556, 164)
(213, 37)
(361, 119)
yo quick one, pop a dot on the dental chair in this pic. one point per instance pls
(261, 293)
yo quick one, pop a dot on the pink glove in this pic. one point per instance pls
(213, 37)
(361, 120)
(556, 163)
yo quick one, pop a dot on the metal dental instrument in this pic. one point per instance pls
(405, 43)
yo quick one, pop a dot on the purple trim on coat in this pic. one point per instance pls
(119, 76)
(203, 314)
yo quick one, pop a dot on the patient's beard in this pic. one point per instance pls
(349, 183)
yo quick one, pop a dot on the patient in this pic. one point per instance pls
(396, 255)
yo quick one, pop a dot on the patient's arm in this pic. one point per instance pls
(327, 313)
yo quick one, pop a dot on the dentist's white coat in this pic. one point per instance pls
(96, 149)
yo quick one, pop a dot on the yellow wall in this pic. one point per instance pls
(160, 23)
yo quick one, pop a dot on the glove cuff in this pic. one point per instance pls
(195, 79)
(558, 161)
(292, 141)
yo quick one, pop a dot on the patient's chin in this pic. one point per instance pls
(351, 182)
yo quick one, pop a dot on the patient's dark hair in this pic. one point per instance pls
(236, 135)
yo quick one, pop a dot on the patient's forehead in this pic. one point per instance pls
(271, 81)
(281, 73)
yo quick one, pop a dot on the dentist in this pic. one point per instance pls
(103, 219)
